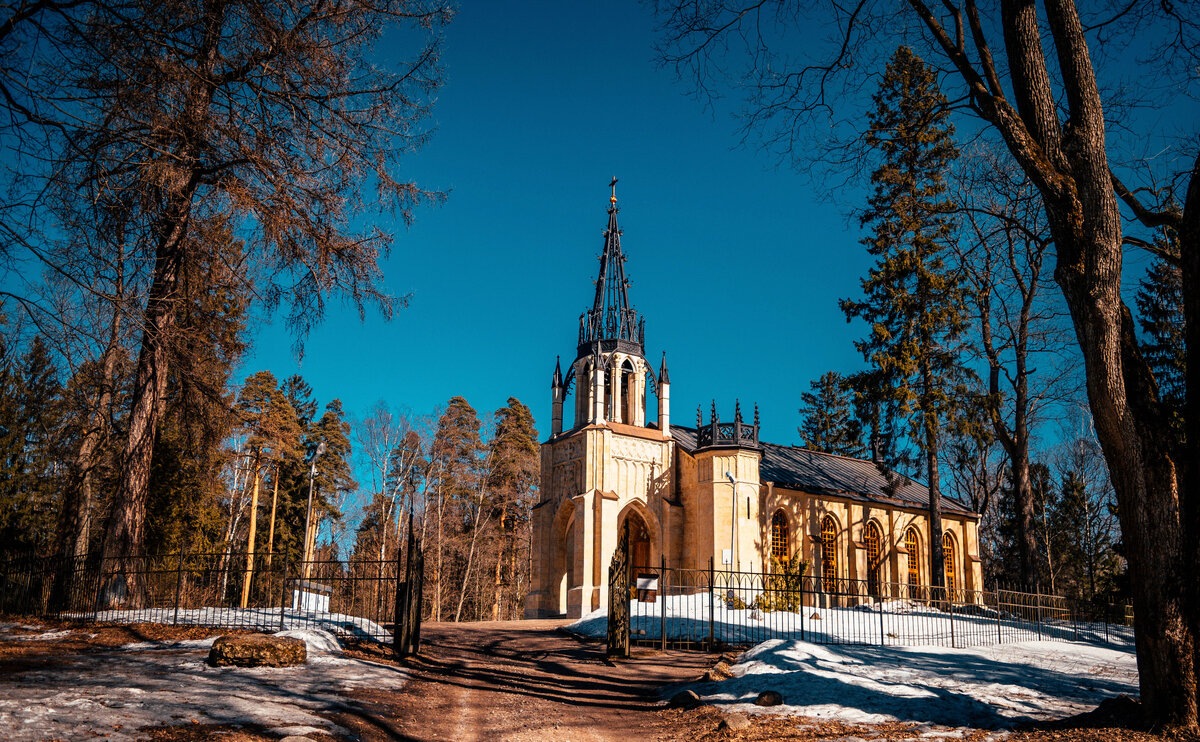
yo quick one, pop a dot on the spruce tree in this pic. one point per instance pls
(913, 304)
(453, 477)
(1160, 309)
(512, 492)
(828, 423)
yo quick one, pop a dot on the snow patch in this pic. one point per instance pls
(318, 640)
(994, 687)
(267, 620)
(114, 693)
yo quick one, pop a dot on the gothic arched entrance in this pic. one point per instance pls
(639, 541)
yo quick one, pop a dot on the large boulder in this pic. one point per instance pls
(258, 650)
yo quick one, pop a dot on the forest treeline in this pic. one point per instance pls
(243, 468)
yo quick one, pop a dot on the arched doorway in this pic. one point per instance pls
(563, 556)
(638, 534)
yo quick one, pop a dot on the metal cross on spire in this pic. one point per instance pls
(613, 186)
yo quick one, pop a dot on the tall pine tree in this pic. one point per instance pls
(913, 304)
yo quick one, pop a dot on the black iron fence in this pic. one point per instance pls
(702, 608)
(348, 598)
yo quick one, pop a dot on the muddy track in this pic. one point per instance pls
(522, 681)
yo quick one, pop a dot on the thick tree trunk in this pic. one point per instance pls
(126, 531)
(929, 425)
(1189, 250)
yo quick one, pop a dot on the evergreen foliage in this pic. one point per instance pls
(828, 423)
(913, 305)
(1160, 309)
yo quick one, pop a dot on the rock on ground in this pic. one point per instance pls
(258, 650)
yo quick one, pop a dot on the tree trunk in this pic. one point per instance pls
(271, 528)
(126, 531)
(1189, 249)
(246, 579)
(929, 423)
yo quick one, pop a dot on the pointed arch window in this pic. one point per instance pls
(948, 558)
(779, 539)
(829, 555)
(913, 546)
(874, 558)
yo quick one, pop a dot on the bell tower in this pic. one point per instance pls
(610, 369)
(604, 470)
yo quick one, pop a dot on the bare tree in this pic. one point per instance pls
(268, 111)
(1003, 259)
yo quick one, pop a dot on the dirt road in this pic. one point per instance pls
(522, 681)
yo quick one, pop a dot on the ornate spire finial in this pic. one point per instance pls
(713, 418)
(699, 417)
(557, 381)
(737, 410)
(756, 414)
(663, 376)
(613, 186)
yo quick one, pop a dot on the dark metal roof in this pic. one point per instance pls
(826, 474)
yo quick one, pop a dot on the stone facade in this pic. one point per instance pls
(688, 495)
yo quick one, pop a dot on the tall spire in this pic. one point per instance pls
(611, 316)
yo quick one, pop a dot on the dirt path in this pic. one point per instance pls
(522, 681)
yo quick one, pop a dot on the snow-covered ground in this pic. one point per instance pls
(892, 622)
(116, 692)
(981, 687)
(895, 662)
(257, 619)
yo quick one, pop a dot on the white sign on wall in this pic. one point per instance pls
(726, 556)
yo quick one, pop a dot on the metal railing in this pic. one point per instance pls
(348, 598)
(707, 608)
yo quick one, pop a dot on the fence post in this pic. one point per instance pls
(662, 599)
(801, 607)
(999, 635)
(178, 587)
(283, 591)
(879, 605)
(1037, 614)
(712, 601)
(950, 605)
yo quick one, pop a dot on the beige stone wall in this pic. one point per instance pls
(805, 514)
(595, 477)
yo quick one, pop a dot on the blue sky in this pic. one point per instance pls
(736, 265)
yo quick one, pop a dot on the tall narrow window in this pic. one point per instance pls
(829, 555)
(779, 539)
(948, 557)
(874, 558)
(913, 546)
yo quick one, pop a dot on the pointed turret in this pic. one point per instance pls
(556, 391)
(664, 397)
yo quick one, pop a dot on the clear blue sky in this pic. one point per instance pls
(736, 265)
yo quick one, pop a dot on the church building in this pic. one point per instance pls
(715, 490)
